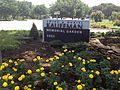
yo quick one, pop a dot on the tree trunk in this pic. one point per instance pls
(0, 58)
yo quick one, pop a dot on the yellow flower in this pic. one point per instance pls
(119, 78)
(108, 58)
(5, 77)
(83, 85)
(37, 70)
(63, 54)
(55, 73)
(57, 58)
(55, 83)
(79, 81)
(91, 76)
(84, 63)
(83, 60)
(8, 74)
(35, 59)
(73, 51)
(42, 68)
(10, 61)
(16, 63)
(51, 59)
(93, 60)
(57, 87)
(25, 88)
(14, 69)
(112, 72)
(60, 88)
(97, 72)
(22, 60)
(60, 55)
(92, 71)
(62, 66)
(74, 57)
(88, 61)
(5, 64)
(38, 57)
(29, 89)
(17, 88)
(65, 50)
(5, 84)
(70, 64)
(94, 89)
(2, 67)
(20, 78)
(29, 71)
(79, 87)
(29, 85)
(42, 74)
(47, 60)
(119, 71)
(69, 51)
(10, 77)
(23, 76)
(79, 58)
(116, 72)
(12, 82)
(83, 69)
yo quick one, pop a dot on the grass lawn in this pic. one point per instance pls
(11, 39)
(105, 23)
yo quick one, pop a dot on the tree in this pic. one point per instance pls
(7, 8)
(34, 32)
(97, 16)
(39, 10)
(106, 8)
(69, 8)
(115, 16)
(24, 9)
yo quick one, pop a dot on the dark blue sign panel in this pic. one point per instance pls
(66, 30)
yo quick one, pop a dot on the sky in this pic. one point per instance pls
(89, 2)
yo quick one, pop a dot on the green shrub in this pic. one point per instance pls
(11, 39)
(117, 23)
(80, 46)
(34, 32)
(95, 26)
(104, 26)
(115, 33)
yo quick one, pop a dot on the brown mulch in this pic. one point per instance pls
(30, 50)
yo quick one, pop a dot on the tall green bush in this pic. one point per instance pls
(34, 32)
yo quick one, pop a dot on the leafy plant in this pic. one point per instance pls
(34, 32)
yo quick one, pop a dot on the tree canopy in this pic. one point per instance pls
(106, 8)
(69, 8)
(13, 9)
(20, 9)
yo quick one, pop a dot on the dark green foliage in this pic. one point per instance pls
(69, 8)
(97, 16)
(91, 54)
(12, 39)
(106, 8)
(116, 33)
(117, 23)
(80, 46)
(34, 32)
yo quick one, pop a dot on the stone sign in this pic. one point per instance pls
(66, 30)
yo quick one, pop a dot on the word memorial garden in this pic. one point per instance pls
(66, 30)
